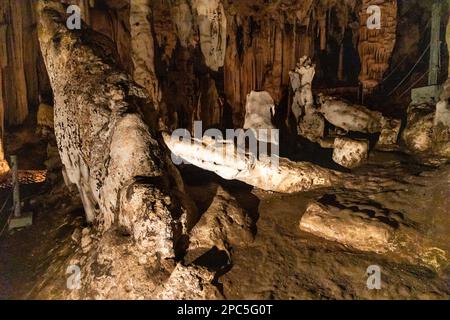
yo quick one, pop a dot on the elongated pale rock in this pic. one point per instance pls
(271, 174)
(351, 228)
(367, 226)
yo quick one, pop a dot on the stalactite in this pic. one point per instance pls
(341, 71)
(376, 45)
(164, 30)
(15, 90)
(447, 40)
(212, 24)
(272, 43)
(142, 48)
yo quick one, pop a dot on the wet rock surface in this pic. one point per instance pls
(282, 262)
(350, 153)
(224, 226)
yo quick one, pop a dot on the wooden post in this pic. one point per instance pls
(16, 186)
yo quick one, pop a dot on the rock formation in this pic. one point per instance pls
(260, 110)
(223, 226)
(350, 153)
(212, 25)
(350, 117)
(366, 227)
(267, 172)
(376, 44)
(115, 160)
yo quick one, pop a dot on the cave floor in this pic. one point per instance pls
(282, 262)
(285, 263)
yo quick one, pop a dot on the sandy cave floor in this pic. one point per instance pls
(283, 262)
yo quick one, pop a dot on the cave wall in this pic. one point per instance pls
(18, 61)
(199, 59)
(213, 53)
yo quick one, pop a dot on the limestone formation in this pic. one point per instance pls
(350, 117)
(225, 225)
(189, 283)
(390, 132)
(365, 225)
(307, 71)
(183, 19)
(310, 124)
(212, 23)
(426, 133)
(267, 173)
(376, 44)
(104, 144)
(45, 120)
(259, 111)
(142, 43)
(442, 114)
(353, 228)
(350, 153)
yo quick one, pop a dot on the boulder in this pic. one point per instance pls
(350, 117)
(223, 226)
(366, 225)
(350, 153)
(189, 283)
(427, 133)
(389, 133)
(351, 227)
(312, 126)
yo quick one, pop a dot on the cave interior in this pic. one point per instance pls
(224, 149)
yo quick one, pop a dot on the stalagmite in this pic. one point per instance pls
(259, 111)
(103, 142)
(310, 124)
